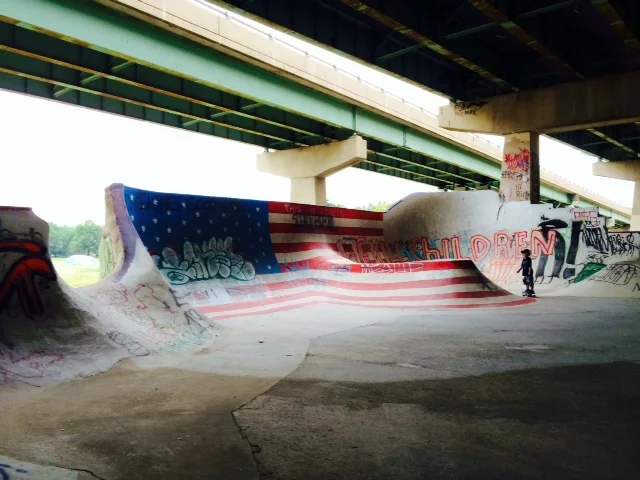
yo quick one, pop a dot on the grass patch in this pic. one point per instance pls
(75, 275)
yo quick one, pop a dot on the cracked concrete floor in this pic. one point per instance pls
(550, 391)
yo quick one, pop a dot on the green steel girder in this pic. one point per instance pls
(193, 79)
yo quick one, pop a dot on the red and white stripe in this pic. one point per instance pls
(441, 284)
(297, 243)
(316, 272)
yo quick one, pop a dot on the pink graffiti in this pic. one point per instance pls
(518, 161)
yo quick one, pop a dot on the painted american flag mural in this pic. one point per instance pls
(236, 257)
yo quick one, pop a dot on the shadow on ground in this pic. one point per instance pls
(579, 422)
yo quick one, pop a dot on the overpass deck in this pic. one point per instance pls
(113, 57)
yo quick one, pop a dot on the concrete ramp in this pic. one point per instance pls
(232, 257)
(174, 265)
(618, 280)
(50, 332)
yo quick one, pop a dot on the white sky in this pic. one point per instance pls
(58, 158)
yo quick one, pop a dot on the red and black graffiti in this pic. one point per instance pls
(19, 277)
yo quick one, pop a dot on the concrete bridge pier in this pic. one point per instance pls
(308, 167)
(627, 170)
(520, 177)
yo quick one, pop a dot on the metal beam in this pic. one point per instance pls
(522, 16)
(91, 24)
(420, 175)
(94, 74)
(423, 41)
(60, 92)
(547, 9)
(497, 16)
(613, 141)
(524, 37)
(616, 22)
(131, 101)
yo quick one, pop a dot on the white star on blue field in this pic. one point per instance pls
(168, 220)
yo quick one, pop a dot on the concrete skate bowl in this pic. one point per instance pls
(174, 264)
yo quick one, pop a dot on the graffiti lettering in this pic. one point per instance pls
(502, 244)
(214, 260)
(133, 347)
(296, 266)
(518, 161)
(5, 471)
(25, 366)
(405, 267)
(313, 220)
(469, 108)
(623, 244)
(480, 247)
(311, 211)
(375, 250)
(586, 215)
(595, 238)
(616, 274)
(196, 321)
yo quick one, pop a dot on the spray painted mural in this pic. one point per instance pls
(214, 260)
(193, 238)
(515, 181)
(23, 261)
(567, 244)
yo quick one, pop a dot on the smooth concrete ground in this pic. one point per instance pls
(550, 390)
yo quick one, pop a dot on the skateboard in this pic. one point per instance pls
(527, 294)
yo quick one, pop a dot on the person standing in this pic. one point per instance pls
(526, 266)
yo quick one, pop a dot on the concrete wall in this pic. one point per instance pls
(568, 244)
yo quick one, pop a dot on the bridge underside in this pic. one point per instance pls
(85, 54)
(474, 49)
(36, 64)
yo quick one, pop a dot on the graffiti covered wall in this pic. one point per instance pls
(567, 244)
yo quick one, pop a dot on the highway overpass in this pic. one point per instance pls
(187, 68)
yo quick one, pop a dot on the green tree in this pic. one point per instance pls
(335, 205)
(376, 207)
(86, 240)
(60, 237)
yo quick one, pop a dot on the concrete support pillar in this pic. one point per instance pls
(635, 208)
(307, 167)
(520, 179)
(309, 190)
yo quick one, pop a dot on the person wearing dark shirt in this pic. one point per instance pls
(527, 272)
